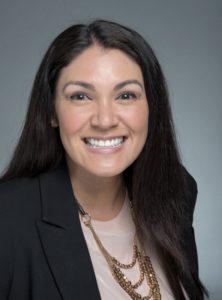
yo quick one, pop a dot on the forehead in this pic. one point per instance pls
(97, 63)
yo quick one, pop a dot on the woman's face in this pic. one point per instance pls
(102, 112)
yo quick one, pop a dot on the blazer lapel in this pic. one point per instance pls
(62, 238)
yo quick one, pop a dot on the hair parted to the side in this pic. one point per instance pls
(155, 181)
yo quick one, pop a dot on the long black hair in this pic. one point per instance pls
(156, 180)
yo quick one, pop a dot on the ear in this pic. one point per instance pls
(54, 123)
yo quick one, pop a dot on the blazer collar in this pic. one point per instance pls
(59, 206)
(62, 238)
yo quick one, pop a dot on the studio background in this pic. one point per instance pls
(186, 36)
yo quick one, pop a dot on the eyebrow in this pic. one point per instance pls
(126, 82)
(80, 83)
(92, 88)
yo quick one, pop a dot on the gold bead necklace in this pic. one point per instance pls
(145, 266)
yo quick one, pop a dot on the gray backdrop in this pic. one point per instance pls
(187, 38)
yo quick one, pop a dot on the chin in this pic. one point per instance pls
(105, 173)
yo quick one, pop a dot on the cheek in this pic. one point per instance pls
(70, 122)
(138, 120)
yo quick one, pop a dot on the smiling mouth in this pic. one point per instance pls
(104, 143)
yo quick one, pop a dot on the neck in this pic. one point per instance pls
(102, 198)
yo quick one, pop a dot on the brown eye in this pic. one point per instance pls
(79, 97)
(127, 96)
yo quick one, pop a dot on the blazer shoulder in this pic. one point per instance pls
(191, 192)
(190, 181)
(17, 186)
(19, 198)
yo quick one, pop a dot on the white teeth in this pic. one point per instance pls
(108, 143)
(104, 143)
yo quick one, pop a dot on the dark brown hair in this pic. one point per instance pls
(156, 180)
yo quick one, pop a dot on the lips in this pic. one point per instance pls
(104, 143)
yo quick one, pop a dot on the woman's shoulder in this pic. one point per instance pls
(20, 187)
(19, 198)
(190, 181)
(191, 191)
(16, 183)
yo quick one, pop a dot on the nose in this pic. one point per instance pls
(104, 116)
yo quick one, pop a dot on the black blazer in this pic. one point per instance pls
(43, 253)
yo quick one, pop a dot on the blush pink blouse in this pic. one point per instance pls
(117, 236)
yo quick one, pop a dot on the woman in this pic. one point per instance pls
(95, 203)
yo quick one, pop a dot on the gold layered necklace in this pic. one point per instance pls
(144, 263)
